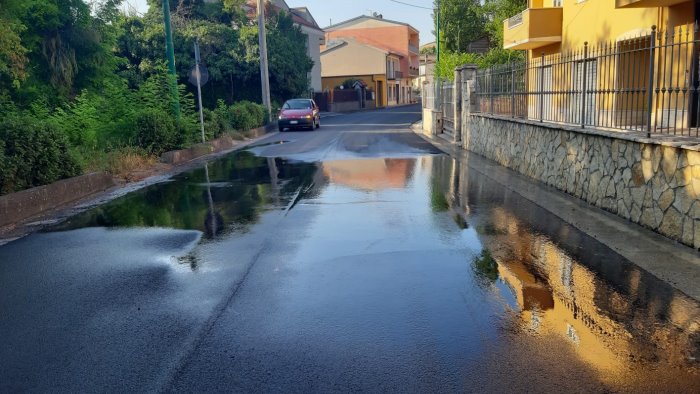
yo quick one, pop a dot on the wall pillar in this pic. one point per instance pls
(469, 102)
(457, 104)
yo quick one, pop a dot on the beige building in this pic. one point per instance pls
(396, 38)
(379, 69)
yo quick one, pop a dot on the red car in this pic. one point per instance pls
(299, 113)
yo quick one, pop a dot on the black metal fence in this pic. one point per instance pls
(649, 82)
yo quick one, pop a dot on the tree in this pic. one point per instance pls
(461, 22)
(495, 12)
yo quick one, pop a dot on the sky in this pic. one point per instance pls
(325, 11)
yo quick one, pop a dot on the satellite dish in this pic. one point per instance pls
(203, 75)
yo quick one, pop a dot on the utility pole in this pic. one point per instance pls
(170, 54)
(198, 74)
(437, 32)
(264, 73)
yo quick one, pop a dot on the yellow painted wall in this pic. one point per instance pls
(598, 21)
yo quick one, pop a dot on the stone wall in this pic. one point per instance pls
(652, 183)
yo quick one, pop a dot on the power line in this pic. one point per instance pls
(411, 5)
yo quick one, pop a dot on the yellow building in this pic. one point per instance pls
(621, 41)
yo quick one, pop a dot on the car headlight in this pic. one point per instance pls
(280, 117)
(308, 116)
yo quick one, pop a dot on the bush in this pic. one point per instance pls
(214, 125)
(156, 132)
(245, 115)
(33, 154)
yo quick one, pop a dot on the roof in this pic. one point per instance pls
(300, 15)
(341, 25)
(342, 42)
(305, 15)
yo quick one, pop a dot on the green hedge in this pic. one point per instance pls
(241, 116)
(156, 132)
(32, 154)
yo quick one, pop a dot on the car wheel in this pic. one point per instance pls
(281, 129)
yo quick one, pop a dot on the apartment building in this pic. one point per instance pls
(623, 64)
(396, 38)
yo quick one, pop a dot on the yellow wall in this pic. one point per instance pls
(598, 22)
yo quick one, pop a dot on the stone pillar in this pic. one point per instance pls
(470, 104)
(436, 125)
(457, 104)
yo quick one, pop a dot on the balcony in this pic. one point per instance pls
(394, 75)
(533, 28)
(413, 49)
(646, 3)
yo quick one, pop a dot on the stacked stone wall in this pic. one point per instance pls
(639, 179)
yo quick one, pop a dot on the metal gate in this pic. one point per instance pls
(448, 109)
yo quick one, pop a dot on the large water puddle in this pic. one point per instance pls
(545, 282)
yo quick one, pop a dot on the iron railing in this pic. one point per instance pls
(448, 110)
(647, 83)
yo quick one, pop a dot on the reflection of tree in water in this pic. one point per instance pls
(485, 266)
(241, 189)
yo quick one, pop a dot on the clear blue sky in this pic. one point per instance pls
(339, 10)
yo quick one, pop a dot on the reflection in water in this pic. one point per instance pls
(617, 317)
(562, 284)
(370, 174)
(222, 196)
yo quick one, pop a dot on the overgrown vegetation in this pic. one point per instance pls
(81, 83)
(465, 21)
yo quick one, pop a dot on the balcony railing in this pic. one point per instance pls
(394, 75)
(533, 28)
(515, 20)
(413, 48)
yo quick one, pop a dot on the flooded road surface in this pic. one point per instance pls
(353, 258)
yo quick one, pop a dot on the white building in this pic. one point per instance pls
(315, 36)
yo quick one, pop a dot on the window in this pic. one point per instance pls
(558, 3)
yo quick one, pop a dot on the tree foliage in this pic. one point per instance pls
(97, 77)
(464, 21)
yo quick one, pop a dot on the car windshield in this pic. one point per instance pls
(297, 104)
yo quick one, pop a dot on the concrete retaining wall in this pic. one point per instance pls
(19, 206)
(347, 106)
(217, 145)
(650, 183)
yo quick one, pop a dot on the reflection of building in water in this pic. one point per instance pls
(370, 174)
(608, 326)
(618, 318)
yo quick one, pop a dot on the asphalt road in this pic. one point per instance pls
(352, 258)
